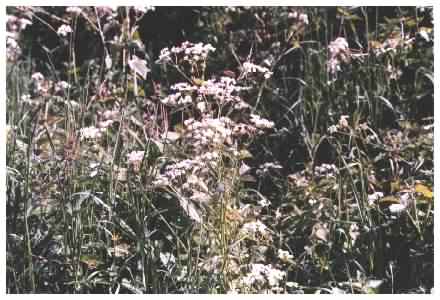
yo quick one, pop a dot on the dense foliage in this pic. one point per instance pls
(220, 150)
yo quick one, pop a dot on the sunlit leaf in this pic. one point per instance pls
(424, 190)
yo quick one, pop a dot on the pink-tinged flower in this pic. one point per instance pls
(13, 50)
(135, 158)
(339, 52)
(338, 46)
(107, 11)
(37, 76)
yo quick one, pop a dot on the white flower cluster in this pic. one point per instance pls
(249, 67)
(61, 86)
(208, 137)
(177, 172)
(299, 179)
(339, 52)
(64, 30)
(254, 228)
(222, 91)
(135, 156)
(260, 122)
(284, 255)
(209, 131)
(391, 45)
(144, 9)
(302, 18)
(372, 198)
(191, 52)
(90, 133)
(38, 80)
(15, 24)
(261, 274)
(75, 10)
(326, 170)
(13, 50)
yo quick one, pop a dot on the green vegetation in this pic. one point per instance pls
(232, 150)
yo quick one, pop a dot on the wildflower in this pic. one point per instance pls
(90, 133)
(135, 156)
(109, 12)
(249, 67)
(94, 167)
(105, 124)
(354, 233)
(64, 30)
(274, 276)
(292, 15)
(264, 202)
(192, 53)
(343, 123)
(111, 115)
(201, 106)
(13, 50)
(62, 85)
(339, 52)
(397, 208)
(255, 227)
(303, 18)
(74, 10)
(284, 255)
(261, 122)
(372, 198)
(338, 47)
(327, 170)
(332, 129)
(37, 76)
(144, 9)
(298, 180)
(260, 274)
